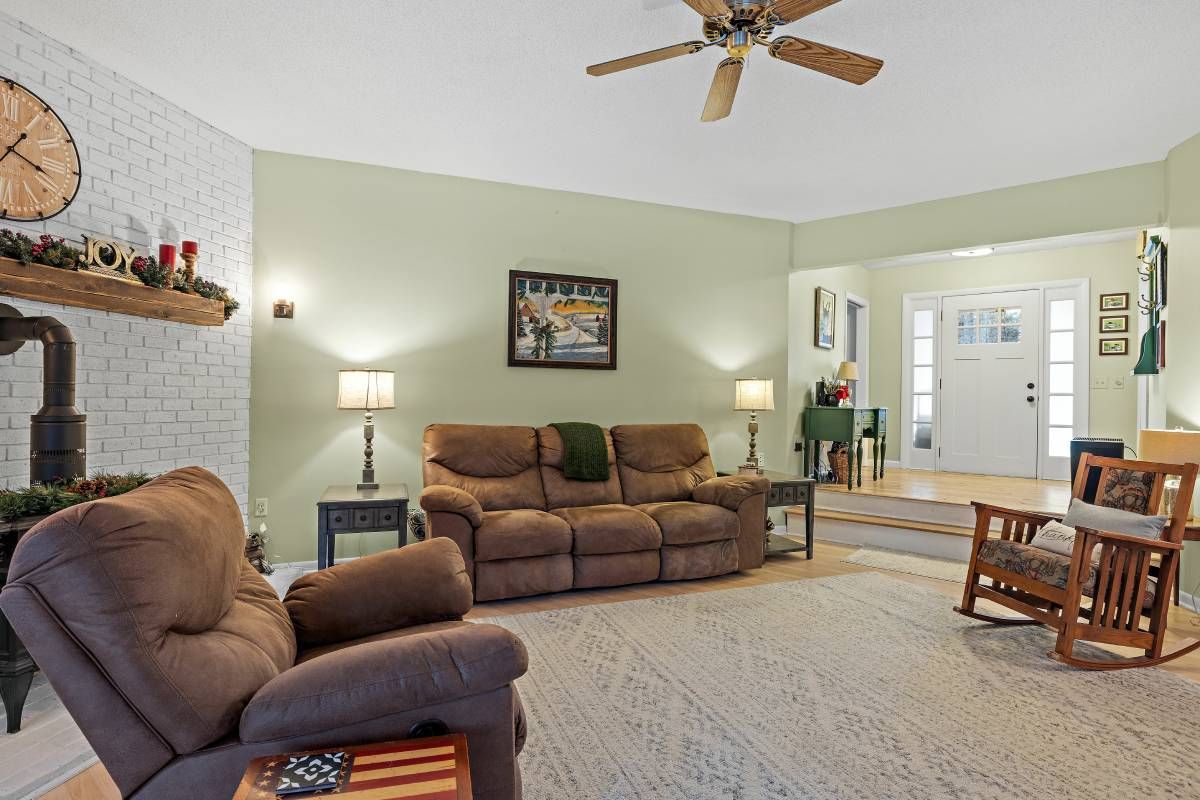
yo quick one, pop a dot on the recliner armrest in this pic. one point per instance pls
(452, 500)
(424, 582)
(368, 681)
(730, 491)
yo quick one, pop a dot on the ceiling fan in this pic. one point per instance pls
(739, 25)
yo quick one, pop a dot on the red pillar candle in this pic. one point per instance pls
(166, 255)
(191, 248)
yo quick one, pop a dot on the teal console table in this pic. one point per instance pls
(850, 425)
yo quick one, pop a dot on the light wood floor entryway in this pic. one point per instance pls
(94, 783)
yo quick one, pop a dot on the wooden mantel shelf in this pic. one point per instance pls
(85, 290)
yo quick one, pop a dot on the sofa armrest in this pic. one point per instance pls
(424, 582)
(730, 491)
(452, 500)
(377, 679)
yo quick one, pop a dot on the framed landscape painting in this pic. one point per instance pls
(825, 318)
(561, 321)
(1114, 324)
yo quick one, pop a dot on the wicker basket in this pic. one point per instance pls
(839, 462)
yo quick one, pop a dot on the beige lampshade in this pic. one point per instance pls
(1170, 447)
(754, 394)
(848, 371)
(366, 389)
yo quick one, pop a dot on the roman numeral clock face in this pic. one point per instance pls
(39, 165)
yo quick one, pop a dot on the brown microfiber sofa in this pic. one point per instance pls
(180, 664)
(524, 528)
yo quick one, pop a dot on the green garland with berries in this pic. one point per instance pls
(55, 252)
(42, 499)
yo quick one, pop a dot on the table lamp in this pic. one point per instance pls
(367, 390)
(753, 395)
(1170, 447)
(848, 371)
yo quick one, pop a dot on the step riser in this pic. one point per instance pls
(881, 535)
(897, 508)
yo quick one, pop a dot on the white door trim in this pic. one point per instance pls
(863, 340)
(911, 301)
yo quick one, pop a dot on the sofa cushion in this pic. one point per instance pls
(660, 463)
(520, 533)
(495, 464)
(561, 491)
(689, 562)
(685, 522)
(522, 577)
(610, 528)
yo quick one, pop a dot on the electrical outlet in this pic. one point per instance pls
(260, 506)
(1118, 383)
(1099, 383)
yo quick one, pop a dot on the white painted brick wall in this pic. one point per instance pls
(158, 395)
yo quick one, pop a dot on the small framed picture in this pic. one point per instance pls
(825, 318)
(1117, 301)
(1114, 347)
(1115, 324)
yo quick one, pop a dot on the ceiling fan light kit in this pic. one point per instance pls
(739, 25)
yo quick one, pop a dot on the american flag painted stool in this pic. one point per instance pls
(412, 769)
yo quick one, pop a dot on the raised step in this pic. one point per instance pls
(899, 524)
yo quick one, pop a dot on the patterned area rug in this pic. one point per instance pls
(857, 686)
(943, 569)
(49, 750)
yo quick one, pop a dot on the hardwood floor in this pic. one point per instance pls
(1050, 497)
(94, 783)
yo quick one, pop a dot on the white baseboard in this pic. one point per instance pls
(1189, 601)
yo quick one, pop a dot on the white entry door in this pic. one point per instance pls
(989, 397)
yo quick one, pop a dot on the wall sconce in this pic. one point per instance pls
(284, 309)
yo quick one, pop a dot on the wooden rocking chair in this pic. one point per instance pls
(1114, 600)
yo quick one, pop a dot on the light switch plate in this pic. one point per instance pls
(1099, 383)
(1118, 383)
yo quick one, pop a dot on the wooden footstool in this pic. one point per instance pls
(414, 769)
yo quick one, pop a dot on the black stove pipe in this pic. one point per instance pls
(58, 434)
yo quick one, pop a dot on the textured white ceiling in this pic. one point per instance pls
(976, 94)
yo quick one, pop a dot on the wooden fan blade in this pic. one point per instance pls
(832, 61)
(709, 8)
(724, 89)
(642, 59)
(791, 10)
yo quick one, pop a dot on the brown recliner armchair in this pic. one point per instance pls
(180, 664)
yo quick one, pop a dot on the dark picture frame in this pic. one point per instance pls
(1122, 347)
(561, 321)
(1114, 301)
(1121, 327)
(824, 326)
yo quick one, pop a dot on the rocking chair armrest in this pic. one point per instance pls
(1157, 545)
(1012, 513)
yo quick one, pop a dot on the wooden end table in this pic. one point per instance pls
(415, 769)
(789, 490)
(346, 509)
(16, 665)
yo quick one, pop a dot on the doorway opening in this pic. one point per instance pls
(858, 346)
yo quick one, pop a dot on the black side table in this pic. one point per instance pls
(16, 665)
(345, 509)
(789, 490)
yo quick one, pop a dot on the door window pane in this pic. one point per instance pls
(923, 323)
(923, 436)
(1062, 315)
(923, 408)
(923, 380)
(989, 335)
(966, 319)
(989, 316)
(1062, 409)
(922, 352)
(1062, 346)
(1011, 316)
(1010, 333)
(1060, 442)
(967, 336)
(1062, 378)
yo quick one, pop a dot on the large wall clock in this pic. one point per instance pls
(39, 164)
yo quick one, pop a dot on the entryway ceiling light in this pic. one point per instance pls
(976, 252)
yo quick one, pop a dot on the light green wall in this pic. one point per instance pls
(807, 362)
(1111, 267)
(1101, 201)
(1183, 329)
(408, 271)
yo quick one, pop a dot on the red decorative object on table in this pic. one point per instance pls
(191, 248)
(166, 256)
